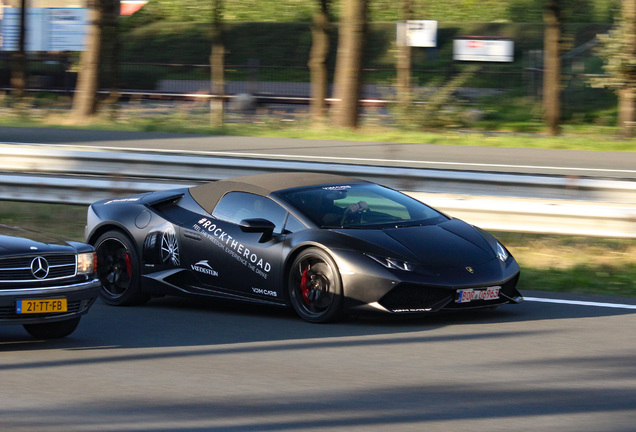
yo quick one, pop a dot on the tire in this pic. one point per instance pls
(118, 268)
(52, 330)
(314, 287)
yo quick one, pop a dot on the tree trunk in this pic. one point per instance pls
(404, 61)
(217, 66)
(85, 98)
(552, 66)
(317, 63)
(348, 79)
(18, 69)
(626, 112)
(110, 52)
(626, 94)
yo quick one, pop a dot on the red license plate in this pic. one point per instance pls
(468, 295)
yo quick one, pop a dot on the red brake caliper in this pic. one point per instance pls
(128, 264)
(304, 285)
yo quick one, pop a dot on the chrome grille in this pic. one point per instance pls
(18, 269)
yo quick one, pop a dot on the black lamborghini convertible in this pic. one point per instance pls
(323, 244)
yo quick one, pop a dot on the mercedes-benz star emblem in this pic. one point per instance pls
(39, 267)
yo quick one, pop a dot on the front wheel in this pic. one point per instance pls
(52, 330)
(315, 290)
(118, 268)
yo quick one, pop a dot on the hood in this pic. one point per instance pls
(448, 244)
(20, 241)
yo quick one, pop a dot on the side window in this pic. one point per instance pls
(294, 225)
(236, 206)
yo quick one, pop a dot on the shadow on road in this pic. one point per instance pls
(190, 365)
(188, 322)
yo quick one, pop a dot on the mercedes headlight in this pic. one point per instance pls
(87, 263)
(392, 263)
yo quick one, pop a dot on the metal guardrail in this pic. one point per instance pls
(530, 203)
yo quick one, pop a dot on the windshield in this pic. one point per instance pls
(360, 205)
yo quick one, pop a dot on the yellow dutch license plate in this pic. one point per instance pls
(41, 306)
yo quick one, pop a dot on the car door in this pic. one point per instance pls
(225, 256)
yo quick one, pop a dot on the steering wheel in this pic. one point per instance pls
(354, 212)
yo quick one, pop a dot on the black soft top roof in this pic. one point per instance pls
(207, 195)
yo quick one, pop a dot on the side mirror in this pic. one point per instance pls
(258, 225)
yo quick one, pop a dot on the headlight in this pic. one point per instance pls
(502, 253)
(392, 263)
(86, 263)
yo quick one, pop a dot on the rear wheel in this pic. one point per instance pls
(52, 330)
(315, 290)
(118, 268)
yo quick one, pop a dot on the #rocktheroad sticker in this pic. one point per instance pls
(233, 247)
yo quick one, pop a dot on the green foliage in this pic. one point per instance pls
(233, 11)
(573, 11)
(618, 64)
(442, 107)
(65, 220)
(286, 44)
(448, 11)
(585, 265)
(515, 112)
(582, 279)
(519, 11)
(273, 44)
(193, 117)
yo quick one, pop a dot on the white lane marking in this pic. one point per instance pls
(340, 159)
(424, 162)
(580, 303)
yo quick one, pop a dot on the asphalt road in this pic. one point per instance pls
(617, 165)
(186, 365)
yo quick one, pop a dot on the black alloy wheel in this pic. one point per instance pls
(118, 268)
(315, 290)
